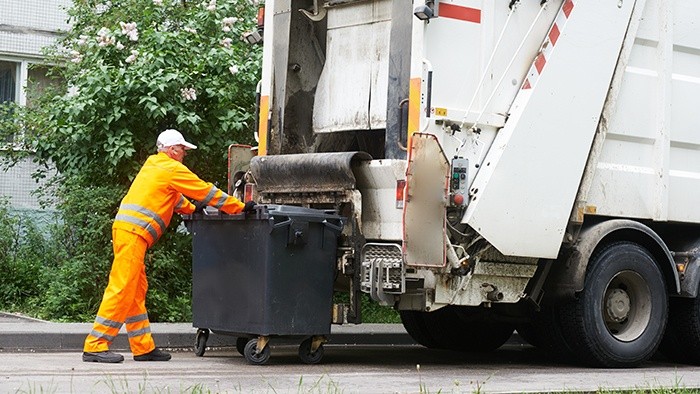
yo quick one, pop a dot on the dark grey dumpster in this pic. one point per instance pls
(264, 274)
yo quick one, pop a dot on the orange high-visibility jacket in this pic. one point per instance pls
(158, 190)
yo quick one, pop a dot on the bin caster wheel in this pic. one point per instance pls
(240, 344)
(253, 357)
(200, 342)
(307, 356)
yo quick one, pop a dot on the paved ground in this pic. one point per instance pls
(343, 369)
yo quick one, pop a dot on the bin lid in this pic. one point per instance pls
(267, 211)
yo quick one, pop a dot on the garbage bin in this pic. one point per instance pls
(264, 274)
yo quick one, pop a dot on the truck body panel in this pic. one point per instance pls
(525, 164)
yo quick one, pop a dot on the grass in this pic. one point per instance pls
(324, 384)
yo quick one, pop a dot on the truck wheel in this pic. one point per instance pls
(681, 341)
(415, 325)
(619, 318)
(253, 357)
(200, 342)
(545, 333)
(471, 332)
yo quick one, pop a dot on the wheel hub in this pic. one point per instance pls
(617, 305)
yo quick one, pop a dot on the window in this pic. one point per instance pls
(37, 82)
(8, 87)
(8, 81)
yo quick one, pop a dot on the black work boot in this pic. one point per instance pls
(103, 357)
(154, 355)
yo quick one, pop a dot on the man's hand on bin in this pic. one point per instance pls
(249, 206)
(199, 207)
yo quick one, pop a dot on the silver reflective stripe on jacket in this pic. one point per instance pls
(212, 192)
(180, 202)
(140, 222)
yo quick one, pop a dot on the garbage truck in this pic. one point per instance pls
(529, 165)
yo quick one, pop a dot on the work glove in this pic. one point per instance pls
(199, 207)
(249, 206)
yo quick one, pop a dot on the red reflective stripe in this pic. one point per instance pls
(540, 61)
(568, 6)
(459, 12)
(527, 85)
(554, 34)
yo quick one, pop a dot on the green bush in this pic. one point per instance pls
(23, 252)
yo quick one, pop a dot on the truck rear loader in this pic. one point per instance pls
(503, 165)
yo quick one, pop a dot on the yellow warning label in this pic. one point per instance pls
(440, 111)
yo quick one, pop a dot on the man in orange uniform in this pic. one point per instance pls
(158, 190)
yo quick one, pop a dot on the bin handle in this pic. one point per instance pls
(282, 223)
(336, 227)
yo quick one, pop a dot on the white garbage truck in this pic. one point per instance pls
(529, 165)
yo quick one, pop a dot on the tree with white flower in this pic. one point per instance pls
(142, 66)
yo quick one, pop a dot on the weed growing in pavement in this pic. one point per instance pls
(33, 389)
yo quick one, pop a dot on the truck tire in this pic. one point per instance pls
(545, 333)
(455, 328)
(618, 320)
(414, 323)
(472, 332)
(681, 341)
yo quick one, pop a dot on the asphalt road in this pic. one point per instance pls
(344, 369)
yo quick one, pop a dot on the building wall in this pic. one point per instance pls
(26, 26)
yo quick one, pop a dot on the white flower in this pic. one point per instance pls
(226, 42)
(72, 91)
(76, 57)
(157, 2)
(119, 46)
(212, 5)
(103, 37)
(132, 57)
(130, 30)
(233, 69)
(188, 94)
(82, 40)
(227, 23)
(189, 30)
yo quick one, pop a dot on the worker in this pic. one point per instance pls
(158, 190)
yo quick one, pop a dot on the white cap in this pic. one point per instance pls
(172, 137)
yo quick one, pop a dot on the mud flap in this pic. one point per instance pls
(427, 182)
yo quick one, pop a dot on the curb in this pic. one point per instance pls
(20, 335)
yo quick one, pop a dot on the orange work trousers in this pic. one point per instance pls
(124, 300)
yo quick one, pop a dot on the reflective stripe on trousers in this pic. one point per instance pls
(124, 299)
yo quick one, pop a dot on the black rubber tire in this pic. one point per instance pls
(620, 271)
(414, 324)
(240, 344)
(471, 331)
(545, 333)
(681, 341)
(305, 352)
(200, 342)
(260, 358)
(455, 328)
